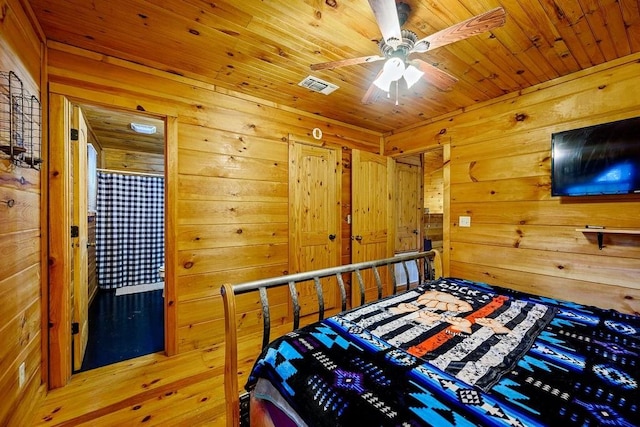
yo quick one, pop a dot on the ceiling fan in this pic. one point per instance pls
(398, 44)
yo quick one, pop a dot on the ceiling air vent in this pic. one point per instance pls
(318, 85)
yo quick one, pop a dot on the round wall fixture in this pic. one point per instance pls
(317, 133)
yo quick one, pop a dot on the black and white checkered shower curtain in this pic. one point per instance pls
(129, 229)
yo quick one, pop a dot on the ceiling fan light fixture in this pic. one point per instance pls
(412, 74)
(142, 128)
(397, 44)
(383, 83)
(392, 71)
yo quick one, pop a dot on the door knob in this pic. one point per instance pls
(358, 238)
(332, 237)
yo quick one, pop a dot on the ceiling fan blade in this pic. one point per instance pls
(386, 14)
(373, 93)
(469, 28)
(344, 62)
(434, 75)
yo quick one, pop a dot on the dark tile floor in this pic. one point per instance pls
(123, 327)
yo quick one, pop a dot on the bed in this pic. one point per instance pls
(446, 351)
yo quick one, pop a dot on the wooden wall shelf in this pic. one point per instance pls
(602, 231)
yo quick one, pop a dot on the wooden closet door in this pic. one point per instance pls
(409, 206)
(373, 216)
(314, 212)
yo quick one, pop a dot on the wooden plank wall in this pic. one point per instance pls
(132, 161)
(497, 170)
(433, 181)
(231, 212)
(20, 232)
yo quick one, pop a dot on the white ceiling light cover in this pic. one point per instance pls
(142, 128)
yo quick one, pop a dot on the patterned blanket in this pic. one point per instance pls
(460, 353)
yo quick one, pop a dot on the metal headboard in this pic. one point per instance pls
(431, 268)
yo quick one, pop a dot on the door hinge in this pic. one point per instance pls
(75, 231)
(75, 328)
(74, 134)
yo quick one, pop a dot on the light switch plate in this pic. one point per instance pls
(464, 221)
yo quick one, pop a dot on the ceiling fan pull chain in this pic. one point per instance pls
(396, 92)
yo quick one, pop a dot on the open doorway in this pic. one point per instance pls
(125, 280)
(433, 219)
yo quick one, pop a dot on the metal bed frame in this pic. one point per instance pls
(235, 404)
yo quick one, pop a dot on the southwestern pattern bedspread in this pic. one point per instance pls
(460, 353)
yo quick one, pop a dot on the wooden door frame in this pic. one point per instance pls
(446, 194)
(59, 252)
(58, 326)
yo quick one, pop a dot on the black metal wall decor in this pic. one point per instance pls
(20, 123)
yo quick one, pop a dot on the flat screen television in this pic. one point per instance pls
(596, 160)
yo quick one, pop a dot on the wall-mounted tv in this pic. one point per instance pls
(596, 160)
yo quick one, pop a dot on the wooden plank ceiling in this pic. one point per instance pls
(265, 48)
(113, 129)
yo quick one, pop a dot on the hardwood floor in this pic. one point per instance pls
(153, 390)
(184, 390)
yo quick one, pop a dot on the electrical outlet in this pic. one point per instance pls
(22, 374)
(464, 221)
